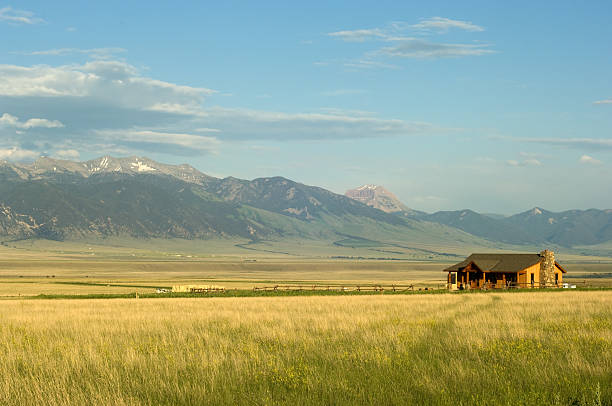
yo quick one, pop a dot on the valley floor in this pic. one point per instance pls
(524, 348)
(532, 348)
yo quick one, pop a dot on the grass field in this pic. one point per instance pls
(26, 276)
(532, 348)
(497, 348)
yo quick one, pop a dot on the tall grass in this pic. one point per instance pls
(524, 348)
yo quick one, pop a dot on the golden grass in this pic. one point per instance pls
(506, 348)
(27, 276)
(43, 287)
(33, 277)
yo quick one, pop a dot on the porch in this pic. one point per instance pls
(476, 279)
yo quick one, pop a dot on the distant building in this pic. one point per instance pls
(196, 288)
(489, 271)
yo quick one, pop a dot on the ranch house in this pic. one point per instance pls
(489, 271)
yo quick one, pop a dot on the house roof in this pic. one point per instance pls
(500, 262)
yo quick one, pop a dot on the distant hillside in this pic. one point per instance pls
(140, 198)
(290, 198)
(537, 226)
(484, 226)
(567, 228)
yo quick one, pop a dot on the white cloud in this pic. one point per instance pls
(72, 154)
(441, 24)
(369, 64)
(359, 35)
(347, 112)
(17, 154)
(533, 155)
(425, 49)
(258, 124)
(533, 162)
(8, 120)
(142, 138)
(96, 53)
(579, 143)
(207, 130)
(586, 159)
(18, 16)
(177, 108)
(108, 106)
(12, 121)
(110, 81)
(411, 46)
(526, 162)
(609, 101)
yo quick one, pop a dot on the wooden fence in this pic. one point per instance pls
(344, 288)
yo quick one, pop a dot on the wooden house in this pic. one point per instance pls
(488, 271)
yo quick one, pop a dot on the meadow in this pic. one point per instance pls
(497, 348)
(542, 347)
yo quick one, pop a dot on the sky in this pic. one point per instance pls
(494, 106)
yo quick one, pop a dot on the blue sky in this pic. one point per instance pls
(494, 107)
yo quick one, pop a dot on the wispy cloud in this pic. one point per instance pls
(369, 64)
(400, 45)
(13, 16)
(360, 35)
(347, 112)
(109, 106)
(17, 154)
(67, 154)
(114, 81)
(608, 101)
(442, 25)
(207, 130)
(526, 162)
(12, 121)
(152, 140)
(415, 48)
(589, 160)
(96, 53)
(578, 143)
(245, 124)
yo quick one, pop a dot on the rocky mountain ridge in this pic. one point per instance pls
(378, 197)
(535, 226)
(46, 167)
(138, 197)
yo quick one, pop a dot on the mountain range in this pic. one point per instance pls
(139, 198)
(534, 227)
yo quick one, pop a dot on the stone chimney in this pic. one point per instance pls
(547, 269)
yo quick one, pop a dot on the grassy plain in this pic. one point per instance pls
(462, 348)
(36, 267)
(497, 348)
